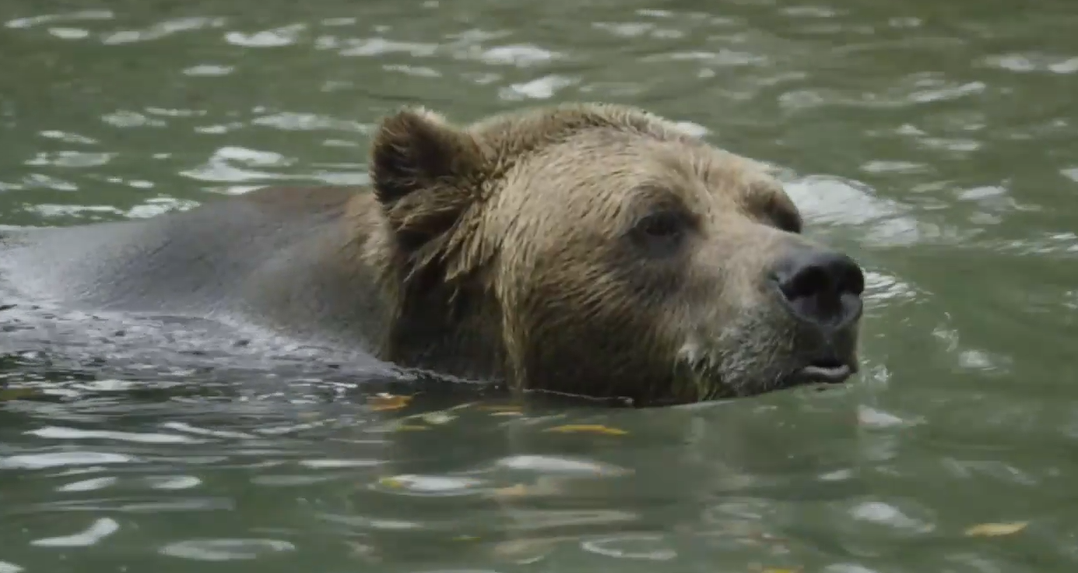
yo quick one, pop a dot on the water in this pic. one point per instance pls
(933, 140)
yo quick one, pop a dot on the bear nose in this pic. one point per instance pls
(820, 286)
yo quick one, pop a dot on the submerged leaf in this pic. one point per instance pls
(518, 490)
(500, 407)
(996, 529)
(391, 481)
(587, 428)
(383, 401)
(9, 394)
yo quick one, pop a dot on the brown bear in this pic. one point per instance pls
(589, 249)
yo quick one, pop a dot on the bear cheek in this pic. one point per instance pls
(591, 337)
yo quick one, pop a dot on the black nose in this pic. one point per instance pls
(820, 286)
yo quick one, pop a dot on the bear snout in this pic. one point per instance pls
(820, 288)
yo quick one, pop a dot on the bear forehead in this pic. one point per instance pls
(621, 151)
(513, 136)
(628, 151)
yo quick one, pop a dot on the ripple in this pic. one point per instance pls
(721, 58)
(874, 418)
(290, 480)
(887, 288)
(220, 168)
(98, 531)
(6, 567)
(942, 90)
(332, 464)
(362, 522)
(1045, 244)
(42, 181)
(70, 159)
(848, 568)
(414, 71)
(541, 88)
(49, 210)
(69, 33)
(631, 547)
(377, 47)
(225, 549)
(338, 21)
(430, 485)
(275, 38)
(137, 507)
(1032, 62)
(62, 433)
(163, 29)
(155, 206)
(49, 18)
(68, 137)
(62, 459)
(126, 119)
(807, 11)
(309, 121)
(830, 200)
(886, 514)
(520, 55)
(88, 484)
(560, 465)
(536, 519)
(626, 29)
(208, 70)
(175, 112)
(174, 482)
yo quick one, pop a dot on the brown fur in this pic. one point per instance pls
(504, 250)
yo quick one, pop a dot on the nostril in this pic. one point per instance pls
(815, 284)
(853, 279)
(805, 282)
(848, 277)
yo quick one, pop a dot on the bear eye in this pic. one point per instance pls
(660, 225)
(662, 229)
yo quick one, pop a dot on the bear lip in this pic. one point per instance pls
(828, 372)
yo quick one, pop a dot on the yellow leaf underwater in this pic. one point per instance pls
(518, 490)
(500, 408)
(381, 402)
(587, 428)
(10, 394)
(392, 482)
(996, 529)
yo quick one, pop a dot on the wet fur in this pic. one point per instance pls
(487, 251)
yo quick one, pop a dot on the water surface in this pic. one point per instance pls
(933, 140)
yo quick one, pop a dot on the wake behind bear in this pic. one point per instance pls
(588, 249)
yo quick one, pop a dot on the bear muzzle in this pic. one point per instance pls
(820, 290)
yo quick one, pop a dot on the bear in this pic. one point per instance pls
(588, 249)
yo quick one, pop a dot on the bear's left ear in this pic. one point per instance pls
(423, 171)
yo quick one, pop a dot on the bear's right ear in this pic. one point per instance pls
(423, 172)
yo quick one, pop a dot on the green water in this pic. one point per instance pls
(933, 140)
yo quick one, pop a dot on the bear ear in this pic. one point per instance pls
(417, 150)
